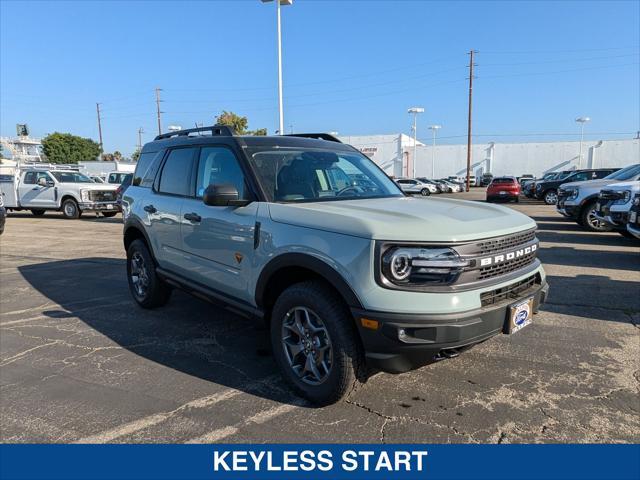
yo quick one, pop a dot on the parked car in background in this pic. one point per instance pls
(577, 200)
(547, 190)
(414, 186)
(614, 205)
(42, 188)
(473, 181)
(433, 185)
(3, 215)
(503, 189)
(442, 186)
(529, 186)
(116, 178)
(525, 177)
(485, 180)
(633, 224)
(453, 186)
(126, 183)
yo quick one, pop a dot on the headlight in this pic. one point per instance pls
(572, 193)
(84, 195)
(626, 196)
(406, 266)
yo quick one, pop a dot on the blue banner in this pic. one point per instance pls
(317, 461)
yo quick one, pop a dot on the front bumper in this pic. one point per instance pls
(616, 220)
(403, 342)
(100, 206)
(634, 229)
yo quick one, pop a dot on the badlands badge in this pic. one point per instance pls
(520, 315)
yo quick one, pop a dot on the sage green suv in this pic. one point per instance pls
(308, 235)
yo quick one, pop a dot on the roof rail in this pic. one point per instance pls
(214, 130)
(319, 136)
(48, 166)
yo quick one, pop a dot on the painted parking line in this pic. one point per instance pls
(259, 418)
(157, 418)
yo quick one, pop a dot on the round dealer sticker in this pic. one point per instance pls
(521, 317)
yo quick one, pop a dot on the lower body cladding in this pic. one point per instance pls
(397, 343)
(569, 211)
(616, 220)
(100, 206)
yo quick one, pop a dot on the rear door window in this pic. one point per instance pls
(176, 172)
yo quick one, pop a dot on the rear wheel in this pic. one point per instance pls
(70, 209)
(550, 197)
(589, 221)
(315, 343)
(148, 290)
(425, 192)
(37, 212)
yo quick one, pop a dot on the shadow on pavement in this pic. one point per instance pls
(591, 258)
(587, 238)
(86, 217)
(188, 334)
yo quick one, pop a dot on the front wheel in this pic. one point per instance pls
(589, 221)
(315, 343)
(550, 197)
(148, 290)
(70, 209)
(425, 192)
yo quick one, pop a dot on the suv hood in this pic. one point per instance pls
(594, 184)
(90, 186)
(405, 218)
(633, 185)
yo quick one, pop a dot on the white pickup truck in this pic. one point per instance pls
(40, 189)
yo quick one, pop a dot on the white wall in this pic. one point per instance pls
(500, 159)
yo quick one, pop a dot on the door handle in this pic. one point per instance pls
(150, 209)
(192, 217)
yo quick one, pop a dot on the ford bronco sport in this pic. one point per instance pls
(347, 276)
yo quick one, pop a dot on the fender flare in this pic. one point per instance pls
(134, 223)
(308, 262)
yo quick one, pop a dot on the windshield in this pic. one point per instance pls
(71, 177)
(626, 173)
(563, 175)
(299, 175)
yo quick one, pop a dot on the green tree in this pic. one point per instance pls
(135, 155)
(68, 148)
(238, 123)
(117, 156)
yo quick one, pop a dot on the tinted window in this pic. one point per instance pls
(626, 173)
(503, 180)
(71, 177)
(146, 169)
(218, 166)
(176, 172)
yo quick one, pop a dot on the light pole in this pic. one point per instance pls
(280, 108)
(581, 121)
(434, 129)
(415, 111)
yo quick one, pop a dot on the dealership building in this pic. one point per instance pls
(395, 155)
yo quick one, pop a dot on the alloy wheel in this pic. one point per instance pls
(307, 345)
(551, 198)
(139, 275)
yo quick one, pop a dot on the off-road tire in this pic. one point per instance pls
(348, 367)
(157, 292)
(70, 209)
(587, 223)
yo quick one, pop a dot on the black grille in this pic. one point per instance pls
(510, 292)
(610, 195)
(506, 267)
(102, 196)
(505, 243)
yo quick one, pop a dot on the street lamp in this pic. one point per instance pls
(581, 121)
(415, 111)
(280, 109)
(434, 129)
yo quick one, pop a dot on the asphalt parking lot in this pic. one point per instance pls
(79, 362)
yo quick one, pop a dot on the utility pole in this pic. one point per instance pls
(99, 124)
(471, 52)
(140, 132)
(158, 90)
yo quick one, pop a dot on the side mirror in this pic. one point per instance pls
(42, 182)
(224, 195)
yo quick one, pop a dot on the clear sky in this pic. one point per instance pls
(349, 66)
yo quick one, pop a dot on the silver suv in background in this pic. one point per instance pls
(578, 200)
(345, 277)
